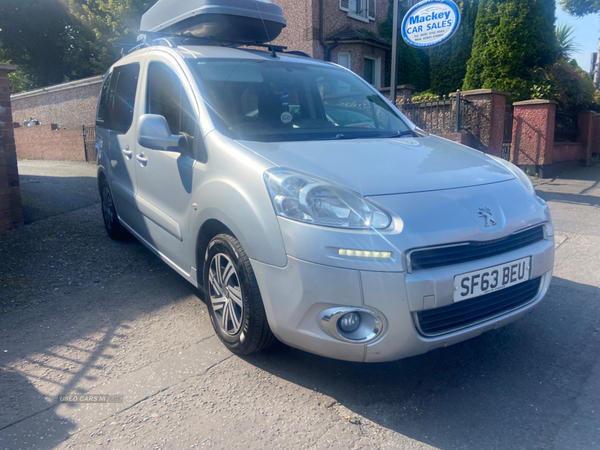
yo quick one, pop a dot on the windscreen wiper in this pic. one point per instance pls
(340, 136)
(401, 133)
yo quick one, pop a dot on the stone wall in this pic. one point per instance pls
(67, 105)
(49, 143)
(11, 215)
(403, 93)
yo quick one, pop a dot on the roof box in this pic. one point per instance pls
(247, 21)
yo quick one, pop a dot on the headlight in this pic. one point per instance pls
(522, 176)
(309, 199)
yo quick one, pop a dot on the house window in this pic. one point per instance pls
(344, 60)
(372, 70)
(359, 9)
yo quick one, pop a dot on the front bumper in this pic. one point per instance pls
(295, 295)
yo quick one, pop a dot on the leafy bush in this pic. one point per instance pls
(424, 96)
(566, 83)
(575, 88)
(596, 104)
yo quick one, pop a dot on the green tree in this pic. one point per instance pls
(413, 64)
(112, 21)
(40, 37)
(580, 8)
(448, 61)
(512, 38)
(566, 41)
(18, 80)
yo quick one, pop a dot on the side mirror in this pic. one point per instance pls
(153, 132)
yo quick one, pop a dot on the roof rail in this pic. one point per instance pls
(150, 38)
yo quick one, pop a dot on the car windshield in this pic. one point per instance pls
(275, 101)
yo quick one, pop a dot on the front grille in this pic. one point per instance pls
(470, 251)
(442, 320)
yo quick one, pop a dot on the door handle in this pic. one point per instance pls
(127, 153)
(141, 158)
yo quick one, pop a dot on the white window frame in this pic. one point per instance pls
(349, 66)
(372, 9)
(376, 69)
(363, 16)
(368, 10)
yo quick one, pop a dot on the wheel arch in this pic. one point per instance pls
(209, 229)
(101, 177)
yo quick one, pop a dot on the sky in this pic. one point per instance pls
(587, 33)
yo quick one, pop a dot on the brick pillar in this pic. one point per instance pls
(487, 124)
(586, 126)
(11, 215)
(596, 136)
(403, 93)
(533, 133)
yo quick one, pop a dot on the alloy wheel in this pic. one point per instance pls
(226, 294)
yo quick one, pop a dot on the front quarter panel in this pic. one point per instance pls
(230, 188)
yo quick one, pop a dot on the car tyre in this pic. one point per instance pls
(233, 299)
(112, 224)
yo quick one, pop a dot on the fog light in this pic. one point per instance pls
(349, 322)
(353, 325)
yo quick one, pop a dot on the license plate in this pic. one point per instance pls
(484, 281)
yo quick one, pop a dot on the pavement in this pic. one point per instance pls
(81, 314)
(49, 188)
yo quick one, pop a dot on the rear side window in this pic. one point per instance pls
(166, 97)
(120, 111)
(117, 98)
(102, 102)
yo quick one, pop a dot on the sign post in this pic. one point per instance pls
(394, 54)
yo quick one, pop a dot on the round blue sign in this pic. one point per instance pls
(430, 23)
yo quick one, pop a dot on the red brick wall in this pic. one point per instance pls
(11, 214)
(533, 132)
(48, 142)
(568, 152)
(596, 138)
(586, 126)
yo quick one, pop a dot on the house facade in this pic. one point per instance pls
(595, 67)
(345, 32)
